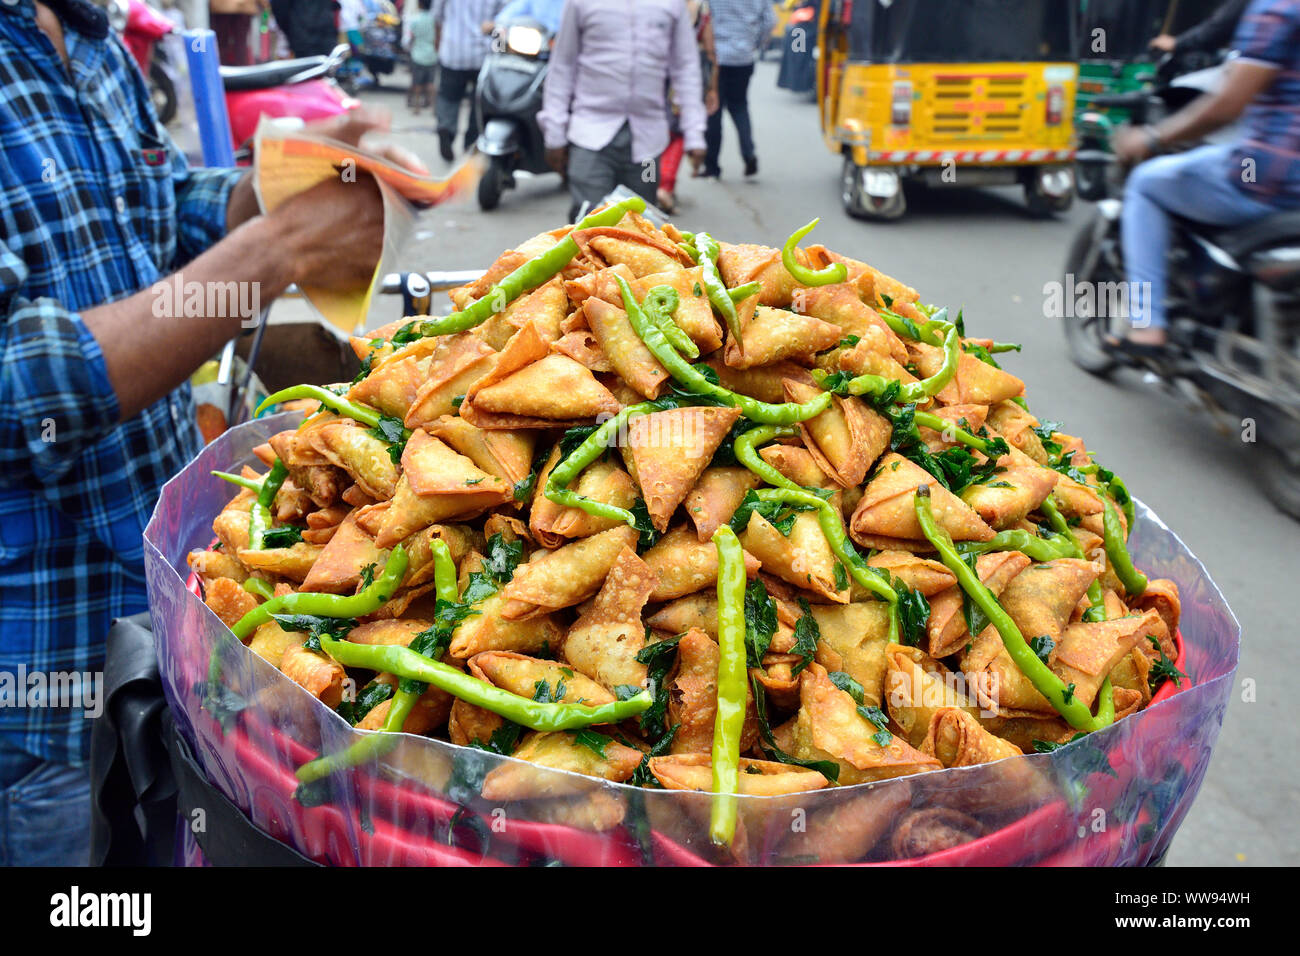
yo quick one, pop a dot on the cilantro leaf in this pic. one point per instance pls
(370, 697)
(806, 636)
(760, 622)
(285, 536)
(1042, 645)
(659, 659)
(1164, 668)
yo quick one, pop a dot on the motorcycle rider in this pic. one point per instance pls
(1212, 33)
(1222, 185)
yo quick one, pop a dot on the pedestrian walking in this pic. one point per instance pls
(740, 28)
(420, 43)
(671, 160)
(604, 118)
(464, 30)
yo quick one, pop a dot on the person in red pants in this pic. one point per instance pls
(671, 159)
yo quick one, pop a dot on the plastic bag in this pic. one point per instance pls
(1115, 797)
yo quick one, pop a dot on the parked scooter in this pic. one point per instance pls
(303, 88)
(508, 98)
(141, 28)
(1234, 313)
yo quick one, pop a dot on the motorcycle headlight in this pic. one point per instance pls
(526, 41)
(117, 11)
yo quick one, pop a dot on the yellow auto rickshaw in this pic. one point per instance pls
(949, 93)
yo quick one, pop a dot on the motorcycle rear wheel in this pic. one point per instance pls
(1083, 333)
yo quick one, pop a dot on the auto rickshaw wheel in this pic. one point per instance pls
(1044, 205)
(860, 205)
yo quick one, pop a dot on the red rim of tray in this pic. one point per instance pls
(391, 845)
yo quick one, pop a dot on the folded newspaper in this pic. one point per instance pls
(291, 160)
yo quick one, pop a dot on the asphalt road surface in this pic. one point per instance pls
(978, 250)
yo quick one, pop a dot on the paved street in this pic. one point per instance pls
(979, 250)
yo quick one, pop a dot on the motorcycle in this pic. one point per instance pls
(508, 97)
(303, 88)
(1233, 303)
(142, 28)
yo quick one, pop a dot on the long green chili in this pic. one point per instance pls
(1040, 675)
(366, 601)
(259, 515)
(1096, 600)
(444, 586)
(536, 271)
(563, 474)
(714, 287)
(259, 587)
(684, 373)
(746, 451)
(1017, 539)
(1134, 581)
(659, 305)
(742, 292)
(729, 717)
(335, 403)
(879, 386)
(404, 662)
(832, 528)
(833, 273)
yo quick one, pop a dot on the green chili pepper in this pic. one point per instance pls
(404, 662)
(659, 305)
(533, 273)
(714, 287)
(879, 386)
(259, 516)
(336, 403)
(563, 474)
(742, 292)
(929, 332)
(364, 602)
(1134, 581)
(444, 587)
(833, 273)
(259, 587)
(374, 744)
(746, 452)
(946, 427)
(1096, 600)
(1017, 539)
(1040, 675)
(683, 372)
(252, 484)
(729, 718)
(689, 249)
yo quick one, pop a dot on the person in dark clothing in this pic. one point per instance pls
(1213, 33)
(309, 26)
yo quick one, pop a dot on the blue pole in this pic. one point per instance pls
(209, 98)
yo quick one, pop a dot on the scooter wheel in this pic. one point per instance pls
(1281, 479)
(490, 186)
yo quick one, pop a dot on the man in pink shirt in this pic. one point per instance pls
(603, 116)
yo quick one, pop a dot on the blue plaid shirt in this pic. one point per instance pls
(95, 204)
(1269, 33)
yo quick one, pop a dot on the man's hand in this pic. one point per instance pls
(1132, 144)
(334, 233)
(1164, 43)
(696, 157)
(558, 159)
(711, 102)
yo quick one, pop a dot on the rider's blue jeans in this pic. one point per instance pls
(1196, 185)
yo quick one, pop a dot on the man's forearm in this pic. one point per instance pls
(151, 346)
(242, 205)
